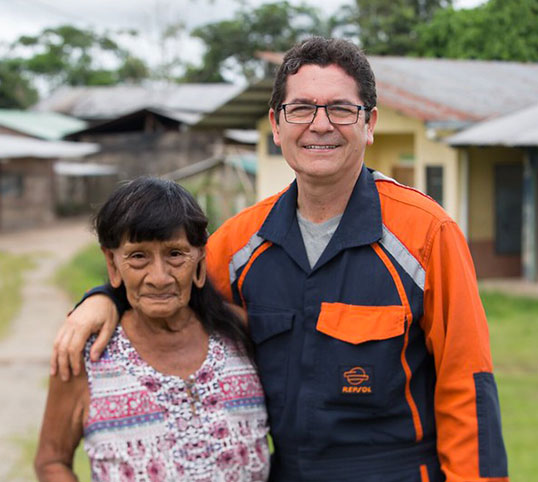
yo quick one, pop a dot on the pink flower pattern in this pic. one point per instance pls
(144, 425)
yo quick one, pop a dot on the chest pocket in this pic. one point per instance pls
(360, 356)
(271, 333)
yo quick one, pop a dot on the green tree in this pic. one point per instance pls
(497, 30)
(388, 27)
(16, 91)
(231, 44)
(68, 55)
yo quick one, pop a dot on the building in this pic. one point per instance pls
(27, 187)
(144, 129)
(502, 155)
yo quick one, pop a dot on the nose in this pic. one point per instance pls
(321, 122)
(158, 273)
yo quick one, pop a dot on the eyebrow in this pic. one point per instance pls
(303, 100)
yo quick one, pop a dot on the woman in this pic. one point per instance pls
(175, 395)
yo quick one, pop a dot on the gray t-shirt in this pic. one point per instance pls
(316, 236)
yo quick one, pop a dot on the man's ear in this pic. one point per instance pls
(113, 272)
(371, 126)
(201, 272)
(274, 126)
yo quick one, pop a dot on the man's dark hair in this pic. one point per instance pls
(151, 209)
(323, 52)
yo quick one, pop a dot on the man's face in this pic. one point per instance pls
(322, 152)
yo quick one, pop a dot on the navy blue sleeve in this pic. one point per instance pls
(491, 451)
(117, 295)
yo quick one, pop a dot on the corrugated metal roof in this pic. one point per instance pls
(448, 89)
(45, 125)
(136, 120)
(243, 136)
(517, 129)
(83, 169)
(98, 103)
(243, 111)
(12, 147)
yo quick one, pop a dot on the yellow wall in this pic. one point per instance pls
(428, 150)
(431, 151)
(389, 150)
(391, 122)
(482, 186)
(274, 174)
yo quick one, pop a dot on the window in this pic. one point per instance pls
(11, 184)
(434, 183)
(508, 208)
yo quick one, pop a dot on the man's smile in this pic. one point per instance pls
(320, 147)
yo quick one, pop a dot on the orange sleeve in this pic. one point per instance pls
(469, 439)
(218, 261)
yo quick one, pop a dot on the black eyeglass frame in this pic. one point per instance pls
(326, 108)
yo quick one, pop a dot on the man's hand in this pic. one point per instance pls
(96, 314)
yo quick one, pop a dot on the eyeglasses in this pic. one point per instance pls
(341, 114)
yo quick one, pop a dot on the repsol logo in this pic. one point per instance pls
(357, 380)
(356, 389)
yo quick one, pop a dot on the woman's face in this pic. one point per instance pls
(158, 275)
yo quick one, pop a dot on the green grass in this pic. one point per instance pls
(513, 326)
(23, 467)
(12, 268)
(86, 270)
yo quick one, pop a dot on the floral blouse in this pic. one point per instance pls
(144, 425)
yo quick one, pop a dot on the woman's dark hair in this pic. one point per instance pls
(151, 209)
(324, 52)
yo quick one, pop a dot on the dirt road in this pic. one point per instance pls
(24, 353)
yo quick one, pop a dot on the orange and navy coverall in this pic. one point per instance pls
(375, 362)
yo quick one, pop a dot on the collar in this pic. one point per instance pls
(361, 223)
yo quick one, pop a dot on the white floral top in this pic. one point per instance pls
(147, 426)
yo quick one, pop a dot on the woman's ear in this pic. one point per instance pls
(200, 275)
(113, 273)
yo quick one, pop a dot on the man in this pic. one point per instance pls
(371, 341)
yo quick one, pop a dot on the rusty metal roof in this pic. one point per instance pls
(446, 89)
(518, 129)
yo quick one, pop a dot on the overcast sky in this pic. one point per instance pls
(18, 17)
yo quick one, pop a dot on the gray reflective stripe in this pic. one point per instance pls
(379, 176)
(406, 260)
(243, 255)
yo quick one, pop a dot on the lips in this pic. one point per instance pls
(158, 296)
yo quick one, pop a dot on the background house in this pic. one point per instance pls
(144, 129)
(35, 163)
(502, 155)
(148, 130)
(27, 187)
(421, 103)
